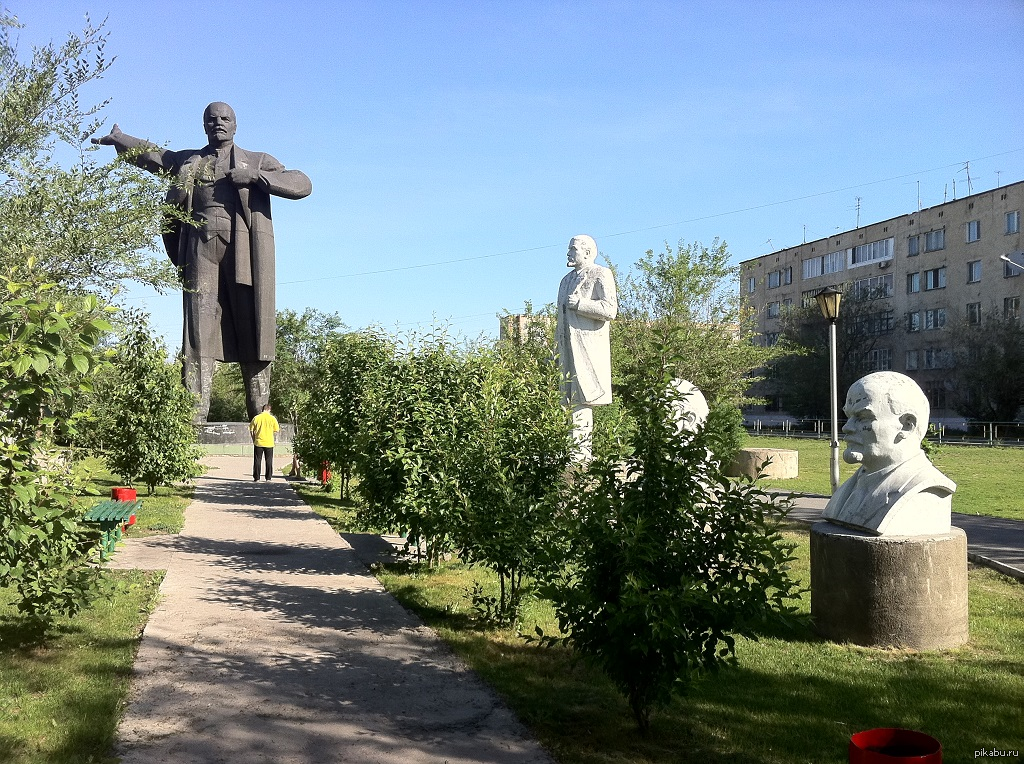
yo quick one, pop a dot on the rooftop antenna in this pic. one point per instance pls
(805, 233)
(998, 173)
(918, 196)
(858, 211)
(945, 193)
(970, 187)
(769, 243)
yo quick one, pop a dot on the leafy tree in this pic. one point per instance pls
(516, 456)
(668, 560)
(680, 307)
(801, 375)
(410, 456)
(298, 336)
(89, 226)
(151, 438)
(48, 354)
(989, 374)
(331, 413)
(227, 395)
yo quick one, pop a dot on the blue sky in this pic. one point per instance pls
(492, 132)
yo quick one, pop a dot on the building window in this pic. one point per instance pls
(1013, 222)
(974, 313)
(913, 246)
(773, 310)
(871, 324)
(787, 304)
(936, 396)
(819, 266)
(873, 287)
(1011, 308)
(863, 254)
(911, 362)
(751, 285)
(935, 240)
(1012, 271)
(974, 271)
(934, 319)
(807, 298)
(935, 279)
(913, 283)
(879, 359)
(914, 321)
(973, 230)
(771, 339)
(937, 358)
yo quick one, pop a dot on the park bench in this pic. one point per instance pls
(112, 518)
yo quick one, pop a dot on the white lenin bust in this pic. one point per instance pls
(587, 302)
(896, 491)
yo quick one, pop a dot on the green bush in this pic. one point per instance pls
(668, 560)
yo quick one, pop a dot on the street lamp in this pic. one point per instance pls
(828, 303)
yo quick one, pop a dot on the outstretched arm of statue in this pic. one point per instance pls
(151, 157)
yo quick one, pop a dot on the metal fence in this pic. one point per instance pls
(967, 433)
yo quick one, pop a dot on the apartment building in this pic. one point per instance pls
(927, 269)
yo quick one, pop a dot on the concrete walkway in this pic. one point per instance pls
(273, 643)
(991, 541)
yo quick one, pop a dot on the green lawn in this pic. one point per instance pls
(990, 481)
(793, 698)
(60, 702)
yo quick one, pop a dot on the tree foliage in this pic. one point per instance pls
(668, 560)
(292, 374)
(988, 376)
(148, 437)
(87, 226)
(801, 375)
(48, 355)
(680, 308)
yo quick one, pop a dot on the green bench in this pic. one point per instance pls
(112, 518)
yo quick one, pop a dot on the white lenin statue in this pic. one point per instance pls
(586, 305)
(896, 491)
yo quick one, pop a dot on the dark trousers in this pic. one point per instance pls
(258, 453)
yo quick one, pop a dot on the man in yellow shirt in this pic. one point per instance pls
(262, 428)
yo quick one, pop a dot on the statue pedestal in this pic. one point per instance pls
(233, 438)
(775, 462)
(889, 591)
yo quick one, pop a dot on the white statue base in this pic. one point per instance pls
(889, 591)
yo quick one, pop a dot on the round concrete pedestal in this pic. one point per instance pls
(889, 591)
(773, 462)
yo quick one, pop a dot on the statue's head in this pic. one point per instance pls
(888, 417)
(219, 123)
(690, 408)
(582, 252)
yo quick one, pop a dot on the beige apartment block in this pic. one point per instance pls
(930, 269)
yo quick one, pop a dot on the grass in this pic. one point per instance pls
(792, 698)
(162, 512)
(988, 479)
(60, 700)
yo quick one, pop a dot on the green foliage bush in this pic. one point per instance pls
(147, 423)
(667, 560)
(48, 354)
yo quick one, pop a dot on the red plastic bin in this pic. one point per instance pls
(894, 746)
(123, 494)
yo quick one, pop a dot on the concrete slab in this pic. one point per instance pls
(273, 643)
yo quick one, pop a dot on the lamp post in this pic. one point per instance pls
(828, 303)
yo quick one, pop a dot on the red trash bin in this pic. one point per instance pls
(123, 494)
(894, 746)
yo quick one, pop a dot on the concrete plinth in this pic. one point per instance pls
(889, 591)
(233, 438)
(775, 463)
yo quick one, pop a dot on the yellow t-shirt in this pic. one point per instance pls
(263, 426)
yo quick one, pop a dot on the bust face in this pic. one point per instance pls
(876, 437)
(219, 123)
(580, 255)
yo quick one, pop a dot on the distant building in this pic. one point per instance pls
(933, 268)
(520, 326)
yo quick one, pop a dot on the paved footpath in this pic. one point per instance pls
(273, 643)
(991, 541)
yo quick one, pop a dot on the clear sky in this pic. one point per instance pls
(492, 132)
